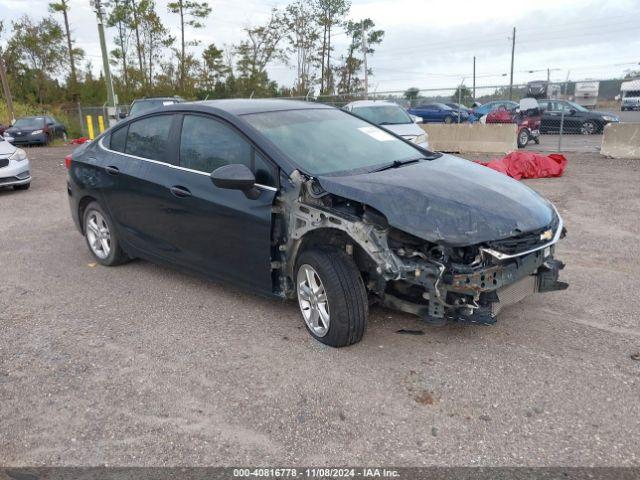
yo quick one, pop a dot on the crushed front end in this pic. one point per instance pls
(432, 280)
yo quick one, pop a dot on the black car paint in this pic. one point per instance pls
(573, 119)
(453, 201)
(223, 234)
(52, 129)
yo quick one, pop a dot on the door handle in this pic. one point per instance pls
(180, 192)
(111, 170)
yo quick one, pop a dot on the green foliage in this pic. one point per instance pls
(45, 67)
(462, 95)
(411, 94)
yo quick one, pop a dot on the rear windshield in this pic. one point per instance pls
(383, 115)
(144, 106)
(326, 141)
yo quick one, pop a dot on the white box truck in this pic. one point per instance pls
(586, 94)
(630, 95)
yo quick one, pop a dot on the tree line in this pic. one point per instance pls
(45, 66)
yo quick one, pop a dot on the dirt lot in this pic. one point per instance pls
(142, 365)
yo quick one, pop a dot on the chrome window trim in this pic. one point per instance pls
(554, 240)
(177, 167)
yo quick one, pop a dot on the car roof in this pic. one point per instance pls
(241, 106)
(371, 103)
(146, 99)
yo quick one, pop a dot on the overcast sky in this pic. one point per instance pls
(431, 43)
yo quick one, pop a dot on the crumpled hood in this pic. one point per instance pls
(448, 200)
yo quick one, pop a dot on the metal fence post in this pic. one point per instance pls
(561, 130)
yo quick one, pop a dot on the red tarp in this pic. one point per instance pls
(79, 141)
(529, 165)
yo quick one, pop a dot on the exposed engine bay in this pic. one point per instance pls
(433, 280)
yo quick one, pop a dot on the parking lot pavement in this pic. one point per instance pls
(550, 143)
(628, 116)
(143, 365)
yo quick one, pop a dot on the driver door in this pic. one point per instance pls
(222, 233)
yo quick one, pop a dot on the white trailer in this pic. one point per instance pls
(586, 94)
(630, 95)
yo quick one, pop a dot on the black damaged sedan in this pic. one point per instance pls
(305, 201)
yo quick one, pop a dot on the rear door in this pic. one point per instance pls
(222, 233)
(139, 166)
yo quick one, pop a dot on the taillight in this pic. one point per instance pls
(67, 161)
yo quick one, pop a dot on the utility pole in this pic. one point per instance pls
(366, 70)
(513, 50)
(5, 89)
(111, 98)
(548, 75)
(474, 79)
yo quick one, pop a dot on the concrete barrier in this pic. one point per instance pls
(621, 140)
(472, 137)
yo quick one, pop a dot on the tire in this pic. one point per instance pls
(106, 250)
(448, 120)
(523, 138)
(346, 304)
(22, 187)
(588, 128)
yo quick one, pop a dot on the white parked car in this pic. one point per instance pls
(14, 166)
(392, 117)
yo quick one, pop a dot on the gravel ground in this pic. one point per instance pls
(143, 365)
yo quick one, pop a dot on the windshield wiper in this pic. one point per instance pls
(396, 164)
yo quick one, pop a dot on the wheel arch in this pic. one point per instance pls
(82, 207)
(327, 238)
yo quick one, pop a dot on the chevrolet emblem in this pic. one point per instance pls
(547, 235)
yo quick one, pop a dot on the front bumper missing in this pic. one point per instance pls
(479, 296)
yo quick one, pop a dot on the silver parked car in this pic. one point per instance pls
(392, 117)
(14, 166)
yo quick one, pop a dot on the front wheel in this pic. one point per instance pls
(588, 128)
(332, 297)
(101, 238)
(24, 186)
(523, 138)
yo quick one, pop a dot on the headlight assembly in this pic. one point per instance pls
(609, 118)
(36, 132)
(19, 155)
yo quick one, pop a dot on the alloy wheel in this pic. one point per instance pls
(98, 234)
(312, 298)
(587, 128)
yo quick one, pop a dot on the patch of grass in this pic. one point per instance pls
(71, 121)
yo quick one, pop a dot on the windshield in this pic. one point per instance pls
(578, 107)
(29, 122)
(325, 141)
(383, 114)
(148, 105)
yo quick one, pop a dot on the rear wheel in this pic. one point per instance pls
(523, 138)
(332, 297)
(101, 239)
(448, 119)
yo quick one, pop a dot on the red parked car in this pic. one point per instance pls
(527, 116)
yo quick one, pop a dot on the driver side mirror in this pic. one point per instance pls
(572, 111)
(122, 115)
(234, 177)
